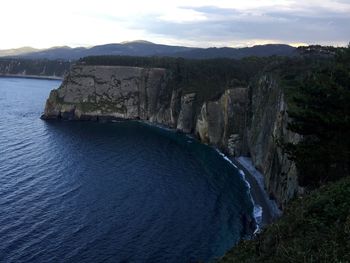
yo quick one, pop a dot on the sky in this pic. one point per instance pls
(197, 23)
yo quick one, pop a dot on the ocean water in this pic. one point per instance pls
(109, 192)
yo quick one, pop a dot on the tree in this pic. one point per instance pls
(320, 112)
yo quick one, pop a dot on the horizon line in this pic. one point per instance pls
(174, 44)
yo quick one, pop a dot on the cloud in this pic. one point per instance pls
(44, 23)
(229, 26)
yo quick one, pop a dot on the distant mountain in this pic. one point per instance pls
(17, 51)
(145, 48)
(237, 53)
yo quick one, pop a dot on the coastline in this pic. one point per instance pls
(30, 76)
(269, 208)
(266, 210)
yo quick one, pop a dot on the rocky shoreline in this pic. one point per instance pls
(269, 208)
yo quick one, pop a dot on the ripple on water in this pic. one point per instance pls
(121, 192)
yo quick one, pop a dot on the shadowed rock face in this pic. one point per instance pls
(268, 122)
(222, 122)
(243, 121)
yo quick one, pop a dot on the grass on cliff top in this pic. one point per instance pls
(315, 228)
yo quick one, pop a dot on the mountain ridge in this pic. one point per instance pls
(146, 48)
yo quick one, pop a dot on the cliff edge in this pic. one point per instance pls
(243, 120)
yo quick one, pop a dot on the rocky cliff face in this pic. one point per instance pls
(222, 122)
(102, 92)
(268, 122)
(243, 121)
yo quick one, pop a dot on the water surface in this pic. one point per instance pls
(109, 192)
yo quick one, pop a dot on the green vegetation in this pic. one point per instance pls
(313, 229)
(320, 112)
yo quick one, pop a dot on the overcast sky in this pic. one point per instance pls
(203, 23)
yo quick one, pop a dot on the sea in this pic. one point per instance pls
(110, 192)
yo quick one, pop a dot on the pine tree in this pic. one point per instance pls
(320, 112)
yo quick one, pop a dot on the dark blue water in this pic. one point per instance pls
(109, 192)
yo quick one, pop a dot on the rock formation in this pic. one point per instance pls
(243, 121)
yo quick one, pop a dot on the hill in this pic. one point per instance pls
(145, 48)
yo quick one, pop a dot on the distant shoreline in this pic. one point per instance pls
(30, 76)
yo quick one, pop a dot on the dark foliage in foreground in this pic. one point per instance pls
(315, 228)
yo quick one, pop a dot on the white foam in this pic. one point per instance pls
(247, 163)
(258, 211)
(152, 124)
(226, 158)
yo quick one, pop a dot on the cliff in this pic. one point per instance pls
(33, 68)
(243, 120)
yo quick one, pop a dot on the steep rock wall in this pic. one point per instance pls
(243, 121)
(104, 92)
(266, 124)
(222, 122)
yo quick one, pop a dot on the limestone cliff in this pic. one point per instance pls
(242, 121)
